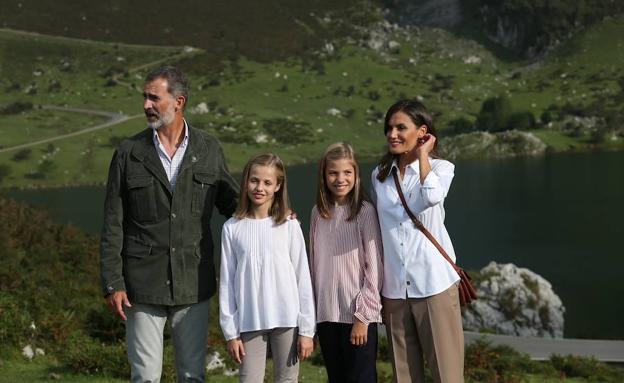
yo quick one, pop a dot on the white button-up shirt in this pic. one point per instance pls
(171, 165)
(413, 266)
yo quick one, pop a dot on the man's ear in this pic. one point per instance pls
(180, 101)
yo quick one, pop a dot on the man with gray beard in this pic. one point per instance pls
(156, 253)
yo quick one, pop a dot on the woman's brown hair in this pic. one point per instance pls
(280, 207)
(324, 197)
(418, 113)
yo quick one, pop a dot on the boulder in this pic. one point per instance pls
(515, 301)
(511, 143)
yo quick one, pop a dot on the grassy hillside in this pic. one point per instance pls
(296, 106)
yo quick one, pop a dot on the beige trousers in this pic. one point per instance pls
(426, 329)
(283, 351)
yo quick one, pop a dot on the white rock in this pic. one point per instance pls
(261, 138)
(334, 112)
(214, 361)
(472, 60)
(28, 352)
(515, 301)
(230, 372)
(329, 48)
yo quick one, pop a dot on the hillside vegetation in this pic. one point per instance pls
(296, 105)
(50, 300)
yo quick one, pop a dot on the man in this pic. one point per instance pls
(156, 251)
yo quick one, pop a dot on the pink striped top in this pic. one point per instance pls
(346, 265)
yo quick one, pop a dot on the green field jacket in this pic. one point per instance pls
(156, 242)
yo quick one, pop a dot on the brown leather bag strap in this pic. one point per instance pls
(419, 224)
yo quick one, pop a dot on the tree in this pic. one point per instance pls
(494, 114)
(5, 171)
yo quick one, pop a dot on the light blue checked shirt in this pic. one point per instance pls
(171, 165)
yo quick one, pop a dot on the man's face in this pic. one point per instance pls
(158, 104)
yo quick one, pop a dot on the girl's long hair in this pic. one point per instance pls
(418, 113)
(324, 197)
(280, 207)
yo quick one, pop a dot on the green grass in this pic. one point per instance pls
(39, 124)
(40, 368)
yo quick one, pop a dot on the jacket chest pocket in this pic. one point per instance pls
(203, 185)
(142, 198)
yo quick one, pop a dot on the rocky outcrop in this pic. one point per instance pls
(511, 143)
(515, 301)
(429, 13)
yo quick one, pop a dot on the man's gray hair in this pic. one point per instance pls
(177, 83)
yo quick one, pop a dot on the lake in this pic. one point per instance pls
(558, 215)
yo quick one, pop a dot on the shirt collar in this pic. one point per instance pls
(184, 142)
(412, 166)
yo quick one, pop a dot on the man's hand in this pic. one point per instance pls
(305, 346)
(359, 333)
(236, 349)
(116, 301)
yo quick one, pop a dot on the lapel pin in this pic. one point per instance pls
(193, 159)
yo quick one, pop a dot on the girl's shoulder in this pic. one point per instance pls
(440, 165)
(367, 211)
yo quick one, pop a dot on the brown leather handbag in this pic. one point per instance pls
(467, 292)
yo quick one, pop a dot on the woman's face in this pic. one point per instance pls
(403, 134)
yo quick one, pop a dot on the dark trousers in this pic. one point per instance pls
(346, 363)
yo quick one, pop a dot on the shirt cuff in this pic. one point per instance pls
(362, 318)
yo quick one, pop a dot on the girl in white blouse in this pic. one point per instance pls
(346, 264)
(420, 298)
(265, 292)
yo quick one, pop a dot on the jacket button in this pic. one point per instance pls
(173, 249)
(408, 283)
(173, 215)
(168, 282)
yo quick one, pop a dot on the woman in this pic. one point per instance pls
(420, 298)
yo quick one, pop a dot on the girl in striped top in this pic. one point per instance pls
(346, 266)
(265, 292)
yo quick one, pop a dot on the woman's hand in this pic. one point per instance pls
(425, 145)
(305, 346)
(359, 333)
(236, 349)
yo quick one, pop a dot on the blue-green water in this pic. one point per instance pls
(560, 216)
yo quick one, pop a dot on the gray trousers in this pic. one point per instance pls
(144, 334)
(283, 350)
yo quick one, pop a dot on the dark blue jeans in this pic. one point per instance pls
(346, 363)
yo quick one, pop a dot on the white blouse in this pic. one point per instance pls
(265, 280)
(413, 267)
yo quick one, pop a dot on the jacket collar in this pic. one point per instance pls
(145, 152)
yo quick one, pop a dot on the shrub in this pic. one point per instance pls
(587, 368)
(285, 131)
(5, 172)
(461, 125)
(522, 121)
(85, 355)
(21, 155)
(14, 321)
(487, 363)
(16, 107)
(494, 114)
